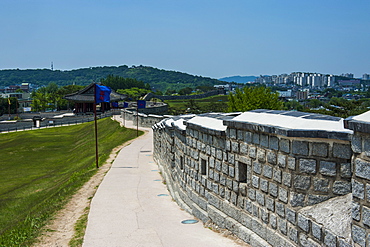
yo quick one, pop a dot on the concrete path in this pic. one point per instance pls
(132, 208)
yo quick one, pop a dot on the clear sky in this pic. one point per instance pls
(213, 38)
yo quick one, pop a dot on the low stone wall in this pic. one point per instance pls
(146, 121)
(158, 108)
(272, 178)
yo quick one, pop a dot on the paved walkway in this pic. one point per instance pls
(132, 208)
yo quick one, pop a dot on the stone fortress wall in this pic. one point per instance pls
(270, 177)
(145, 120)
(360, 143)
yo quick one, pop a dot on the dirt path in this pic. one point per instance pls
(60, 230)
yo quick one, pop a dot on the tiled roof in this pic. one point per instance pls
(86, 95)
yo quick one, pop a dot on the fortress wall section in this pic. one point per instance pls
(155, 108)
(256, 180)
(360, 180)
(146, 121)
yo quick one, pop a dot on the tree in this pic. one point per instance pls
(314, 103)
(158, 92)
(52, 87)
(51, 97)
(5, 107)
(192, 106)
(61, 92)
(170, 92)
(134, 93)
(40, 100)
(251, 98)
(293, 105)
(205, 88)
(117, 82)
(185, 91)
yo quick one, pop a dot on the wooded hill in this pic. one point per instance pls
(158, 79)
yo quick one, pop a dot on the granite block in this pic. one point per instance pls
(320, 149)
(300, 148)
(307, 166)
(358, 189)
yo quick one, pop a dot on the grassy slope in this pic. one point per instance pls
(41, 169)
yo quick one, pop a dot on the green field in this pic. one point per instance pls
(41, 169)
(216, 103)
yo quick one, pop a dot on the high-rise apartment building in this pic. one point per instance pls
(349, 75)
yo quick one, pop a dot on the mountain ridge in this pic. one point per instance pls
(158, 79)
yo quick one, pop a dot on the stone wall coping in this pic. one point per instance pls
(360, 123)
(155, 116)
(125, 110)
(206, 130)
(208, 123)
(291, 124)
(179, 124)
(168, 122)
(173, 122)
(364, 117)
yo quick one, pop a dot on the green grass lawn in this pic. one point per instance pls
(217, 103)
(42, 168)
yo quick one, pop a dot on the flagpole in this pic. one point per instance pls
(96, 130)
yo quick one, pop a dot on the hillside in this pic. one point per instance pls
(157, 78)
(238, 79)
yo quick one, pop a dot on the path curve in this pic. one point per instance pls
(132, 208)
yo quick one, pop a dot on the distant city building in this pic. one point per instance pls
(226, 87)
(285, 94)
(311, 80)
(366, 77)
(315, 80)
(25, 87)
(346, 83)
(265, 79)
(12, 88)
(349, 75)
(301, 95)
(331, 80)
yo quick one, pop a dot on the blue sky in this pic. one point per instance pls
(211, 38)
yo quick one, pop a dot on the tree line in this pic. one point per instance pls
(50, 97)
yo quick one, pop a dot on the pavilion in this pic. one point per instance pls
(84, 100)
